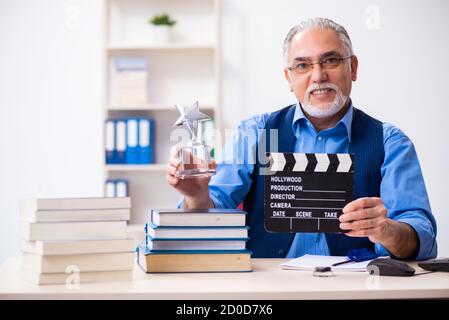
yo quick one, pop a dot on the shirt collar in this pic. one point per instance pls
(346, 119)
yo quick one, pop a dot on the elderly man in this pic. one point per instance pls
(391, 213)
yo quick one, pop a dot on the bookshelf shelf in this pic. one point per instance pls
(151, 107)
(165, 47)
(182, 70)
(127, 167)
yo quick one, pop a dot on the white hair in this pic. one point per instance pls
(319, 23)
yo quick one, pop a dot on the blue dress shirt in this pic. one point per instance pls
(402, 188)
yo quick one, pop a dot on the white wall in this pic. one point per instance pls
(402, 78)
(50, 87)
(50, 105)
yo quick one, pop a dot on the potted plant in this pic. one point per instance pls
(162, 24)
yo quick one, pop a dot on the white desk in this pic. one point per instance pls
(267, 281)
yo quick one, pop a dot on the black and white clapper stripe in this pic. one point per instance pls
(311, 162)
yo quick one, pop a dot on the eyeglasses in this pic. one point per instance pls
(327, 63)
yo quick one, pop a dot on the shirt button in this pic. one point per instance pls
(308, 123)
(281, 252)
(320, 138)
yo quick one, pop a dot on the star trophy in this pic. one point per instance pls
(194, 156)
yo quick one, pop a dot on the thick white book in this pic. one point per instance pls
(197, 217)
(78, 262)
(75, 204)
(200, 244)
(196, 232)
(308, 262)
(73, 230)
(75, 215)
(77, 247)
(193, 261)
(71, 279)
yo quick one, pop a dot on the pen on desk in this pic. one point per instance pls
(342, 262)
(358, 255)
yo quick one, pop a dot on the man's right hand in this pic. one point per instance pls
(195, 190)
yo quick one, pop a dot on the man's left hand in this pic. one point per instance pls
(366, 217)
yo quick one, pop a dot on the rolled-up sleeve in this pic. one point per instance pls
(404, 193)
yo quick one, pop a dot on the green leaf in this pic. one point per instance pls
(162, 20)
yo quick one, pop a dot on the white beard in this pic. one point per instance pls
(328, 110)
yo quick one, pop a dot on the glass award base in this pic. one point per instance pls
(194, 158)
(194, 173)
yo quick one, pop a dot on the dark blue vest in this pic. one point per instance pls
(366, 144)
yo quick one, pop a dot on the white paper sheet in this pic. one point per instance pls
(309, 262)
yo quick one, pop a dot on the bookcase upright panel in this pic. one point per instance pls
(181, 70)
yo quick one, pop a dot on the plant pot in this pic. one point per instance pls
(161, 34)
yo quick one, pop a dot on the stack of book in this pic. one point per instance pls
(81, 239)
(181, 240)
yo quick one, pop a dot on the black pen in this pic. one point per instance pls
(343, 262)
(358, 255)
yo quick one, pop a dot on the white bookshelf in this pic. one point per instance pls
(163, 47)
(152, 107)
(181, 71)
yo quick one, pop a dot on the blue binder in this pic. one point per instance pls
(121, 188)
(109, 188)
(146, 141)
(120, 141)
(110, 150)
(132, 135)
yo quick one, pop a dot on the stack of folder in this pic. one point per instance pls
(180, 240)
(76, 240)
(129, 140)
(116, 188)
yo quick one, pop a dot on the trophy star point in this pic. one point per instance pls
(189, 114)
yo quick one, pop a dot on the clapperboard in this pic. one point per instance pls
(306, 192)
